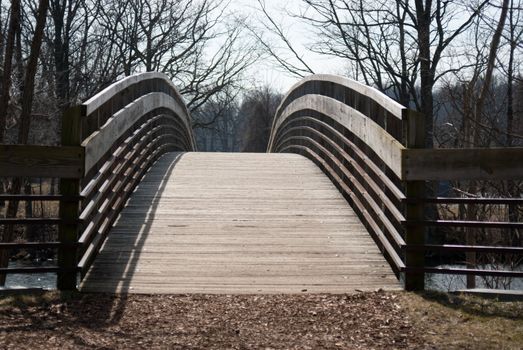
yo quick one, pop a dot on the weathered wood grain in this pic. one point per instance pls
(461, 164)
(102, 140)
(368, 100)
(106, 94)
(237, 223)
(383, 100)
(41, 161)
(382, 143)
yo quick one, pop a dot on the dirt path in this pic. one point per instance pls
(362, 321)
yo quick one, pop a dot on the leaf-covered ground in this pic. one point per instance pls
(377, 320)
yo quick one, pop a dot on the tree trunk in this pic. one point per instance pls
(25, 120)
(513, 213)
(30, 72)
(423, 16)
(2, 34)
(475, 135)
(61, 53)
(14, 25)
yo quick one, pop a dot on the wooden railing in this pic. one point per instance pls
(28, 161)
(114, 137)
(372, 149)
(370, 146)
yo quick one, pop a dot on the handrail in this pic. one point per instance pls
(463, 163)
(341, 125)
(108, 143)
(365, 99)
(36, 161)
(371, 148)
(367, 144)
(41, 161)
(364, 128)
(124, 129)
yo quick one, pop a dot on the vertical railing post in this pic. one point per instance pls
(69, 209)
(414, 211)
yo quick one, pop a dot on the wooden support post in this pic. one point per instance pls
(69, 210)
(414, 235)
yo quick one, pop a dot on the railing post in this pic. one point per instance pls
(414, 234)
(69, 209)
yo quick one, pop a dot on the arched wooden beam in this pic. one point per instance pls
(372, 103)
(117, 96)
(127, 83)
(99, 142)
(126, 127)
(382, 143)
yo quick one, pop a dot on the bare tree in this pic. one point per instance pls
(258, 109)
(216, 124)
(482, 103)
(280, 49)
(396, 46)
(14, 27)
(197, 44)
(25, 117)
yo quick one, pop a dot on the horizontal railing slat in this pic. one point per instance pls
(463, 271)
(102, 140)
(465, 248)
(396, 192)
(471, 200)
(466, 223)
(41, 161)
(93, 243)
(32, 245)
(398, 216)
(381, 217)
(462, 164)
(39, 197)
(36, 269)
(384, 145)
(379, 235)
(35, 221)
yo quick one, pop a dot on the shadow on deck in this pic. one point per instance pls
(237, 223)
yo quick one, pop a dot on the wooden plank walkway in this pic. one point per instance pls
(237, 223)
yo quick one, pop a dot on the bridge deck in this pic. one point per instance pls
(237, 223)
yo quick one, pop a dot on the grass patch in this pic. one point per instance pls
(466, 321)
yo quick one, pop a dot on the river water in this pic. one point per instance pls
(444, 283)
(449, 283)
(31, 280)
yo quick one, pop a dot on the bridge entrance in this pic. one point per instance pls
(237, 223)
(343, 180)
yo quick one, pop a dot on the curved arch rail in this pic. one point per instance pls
(371, 148)
(123, 130)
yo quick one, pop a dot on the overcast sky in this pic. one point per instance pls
(302, 36)
(267, 73)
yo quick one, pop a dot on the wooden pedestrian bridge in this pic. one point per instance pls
(335, 205)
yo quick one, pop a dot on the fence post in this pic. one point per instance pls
(414, 211)
(69, 209)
